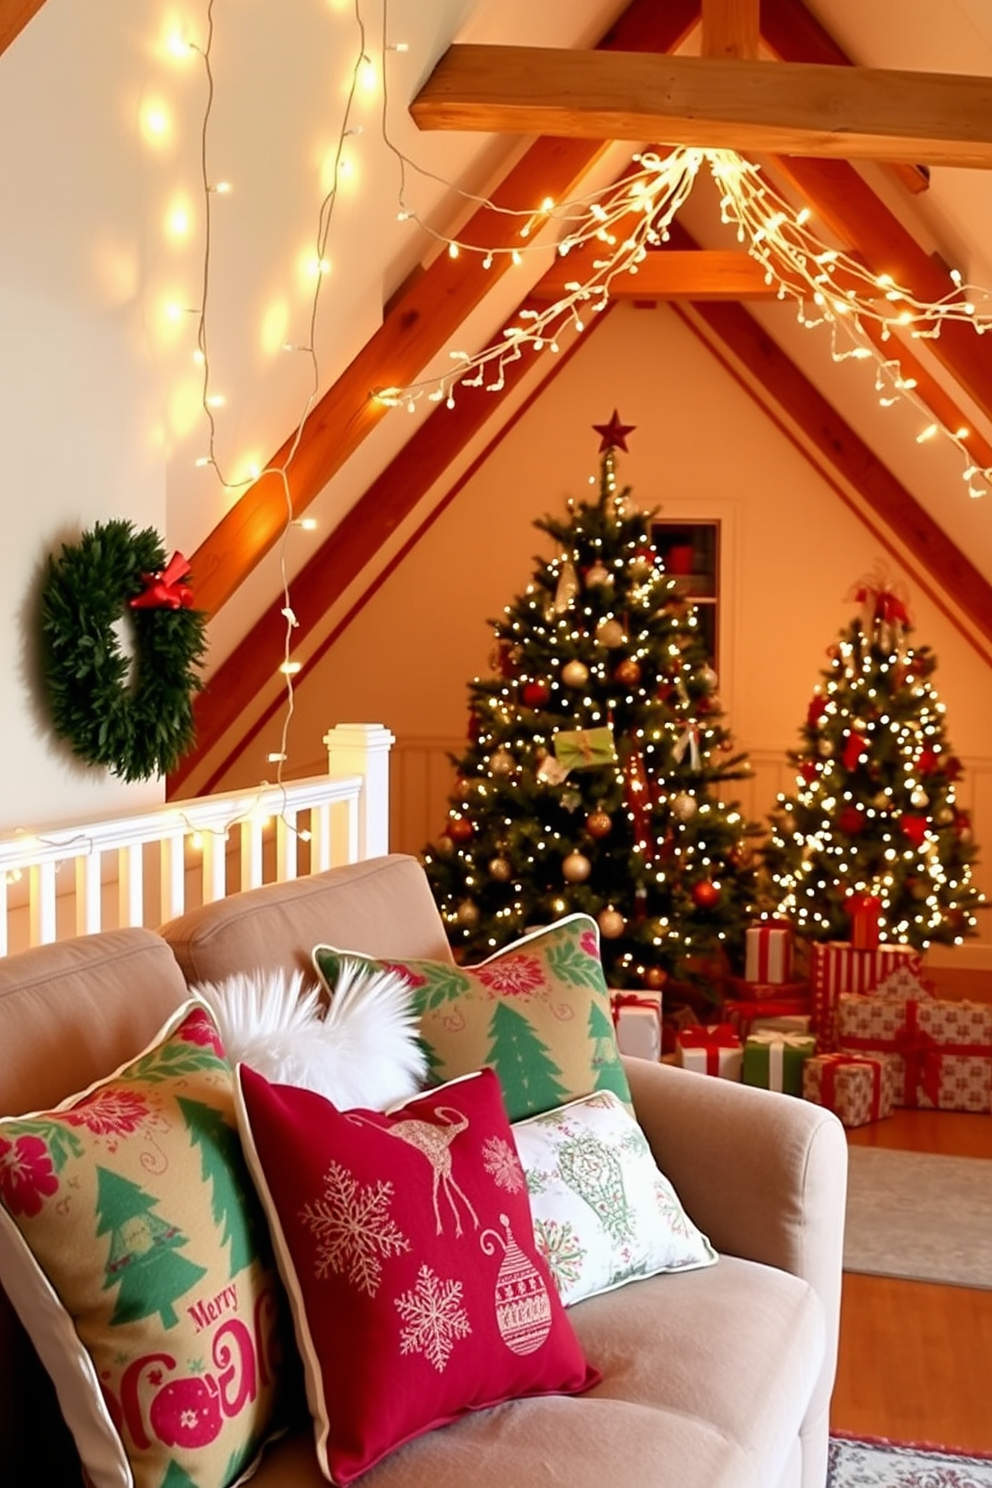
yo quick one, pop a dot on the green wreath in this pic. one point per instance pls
(132, 716)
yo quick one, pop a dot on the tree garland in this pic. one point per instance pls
(132, 716)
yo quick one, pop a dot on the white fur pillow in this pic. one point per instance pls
(363, 1052)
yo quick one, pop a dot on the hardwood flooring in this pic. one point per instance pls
(916, 1359)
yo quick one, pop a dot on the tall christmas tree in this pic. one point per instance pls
(596, 761)
(874, 814)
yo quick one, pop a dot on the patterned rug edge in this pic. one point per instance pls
(859, 1439)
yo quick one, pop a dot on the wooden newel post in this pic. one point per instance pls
(363, 749)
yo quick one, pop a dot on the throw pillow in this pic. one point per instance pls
(603, 1213)
(363, 1052)
(538, 1012)
(134, 1249)
(406, 1245)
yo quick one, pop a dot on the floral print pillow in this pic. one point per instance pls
(538, 1012)
(603, 1213)
(133, 1246)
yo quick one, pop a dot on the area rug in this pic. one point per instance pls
(857, 1463)
(919, 1216)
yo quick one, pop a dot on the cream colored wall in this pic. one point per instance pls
(701, 448)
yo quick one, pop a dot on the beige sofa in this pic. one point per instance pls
(718, 1378)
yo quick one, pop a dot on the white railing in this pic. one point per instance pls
(145, 867)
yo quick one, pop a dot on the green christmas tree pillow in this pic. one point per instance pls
(134, 1249)
(538, 1012)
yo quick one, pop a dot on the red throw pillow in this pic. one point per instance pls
(406, 1243)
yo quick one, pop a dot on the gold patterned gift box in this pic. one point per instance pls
(942, 1050)
(857, 1089)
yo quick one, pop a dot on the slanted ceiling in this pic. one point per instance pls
(772, 81)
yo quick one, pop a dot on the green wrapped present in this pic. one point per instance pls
(774, 1059)
(585, 749)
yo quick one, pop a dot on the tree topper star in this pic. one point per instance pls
(614, 434)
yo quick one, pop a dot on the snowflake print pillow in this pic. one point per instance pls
(134, 1248)
(406, 1243)
(603, 1212)
(538, 1012)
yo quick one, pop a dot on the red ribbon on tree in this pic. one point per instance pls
(913, 827)
(166, 590)
(712, 1039)
(637, 799)
(855, 749)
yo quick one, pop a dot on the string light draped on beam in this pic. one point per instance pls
(828, 287)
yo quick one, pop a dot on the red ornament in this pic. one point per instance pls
(705, 894)
(536, 693)
(655, 978)
(953, 768)
(460, 829)
(816, 709)
(628, 672)
(614, 434)
(808, 771)
(928, 762)
(962, 826)
(850, 820)
(855, 750)
(913, 828)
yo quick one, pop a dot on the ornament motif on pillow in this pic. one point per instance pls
(363, 1052)
(409, 1237)
(135, 1251)
(538, 1012)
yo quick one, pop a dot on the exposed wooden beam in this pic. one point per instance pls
(795, 35)
(847, 206)
(416, 326)
(776, 383)
(711, 102)
(695, 274)
(14, 16)
(730, 28)
(341, 558)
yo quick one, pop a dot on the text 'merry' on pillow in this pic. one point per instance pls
(538, 1012)
(406, 1244)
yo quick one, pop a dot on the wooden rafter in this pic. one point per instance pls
(415, 327)
(695, 274)
(712, 102)
(14, 16)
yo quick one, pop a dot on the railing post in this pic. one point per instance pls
(363, 749)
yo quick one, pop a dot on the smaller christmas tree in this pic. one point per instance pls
(874, 813)
(222, 1165)
(144, 1260)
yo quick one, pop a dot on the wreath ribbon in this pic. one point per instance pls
(167, 589)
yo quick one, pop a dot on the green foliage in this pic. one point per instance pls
(874, 810)
(499, 868)
(135, 726)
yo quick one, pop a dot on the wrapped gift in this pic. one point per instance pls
(711, 1049)
(903, 983)
(743, 1015)
(784, 1024)
(742, 990)
(774, 1060)
(836, 967)
(858, 1090)
(864, 911)
(584, 749)
(768, 952)
(941, 1050)
(637, 1020)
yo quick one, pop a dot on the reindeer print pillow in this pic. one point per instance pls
(133, 1246)
(406, 1243)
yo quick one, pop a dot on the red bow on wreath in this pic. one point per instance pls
(166, 590)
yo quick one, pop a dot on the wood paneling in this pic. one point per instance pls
(14, 16)
(850, 113)
(730, 28)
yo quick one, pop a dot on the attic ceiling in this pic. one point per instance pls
(362, 470)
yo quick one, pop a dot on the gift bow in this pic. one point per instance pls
(712, 1038)
(688, 740)
(166, 590)
(831, 1063)
(777, 1041)
(621, 1000)
(921, 1053)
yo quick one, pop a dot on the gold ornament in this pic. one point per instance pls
(825, 747)
(501, 763)
(575, 674)
(597, 576)
(444, 846)
(467, 914)
(944, 816)
(576, 868)
(684, 806)
(500, 869)
(611, 923)
(709, 678)
(609, 633)
(598, 824)
(919, 797)
(628, 672)
(568, 587)
(655, 978)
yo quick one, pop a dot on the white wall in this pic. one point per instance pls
(701, 447)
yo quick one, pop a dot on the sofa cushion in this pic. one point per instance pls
(133, 1246)
(603, 1213)
(382, 906)
(410, 1262)
(538, 1012)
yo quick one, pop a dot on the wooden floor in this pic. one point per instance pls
(915, 1359)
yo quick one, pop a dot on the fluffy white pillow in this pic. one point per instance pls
(363, 1052)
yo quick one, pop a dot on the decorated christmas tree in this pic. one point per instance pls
(593, 779)
(874, 819)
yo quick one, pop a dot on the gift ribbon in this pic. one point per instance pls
(632, 1000)
(689, 740)
(165, 590)
(776, 1043)
(831, 1063)
(761, 936)
(713, 1038)
(922, 1054)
